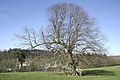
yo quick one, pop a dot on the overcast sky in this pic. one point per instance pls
(15, 14)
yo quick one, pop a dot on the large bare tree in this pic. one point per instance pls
(72, 31)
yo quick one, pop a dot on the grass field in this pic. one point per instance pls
(104, 73)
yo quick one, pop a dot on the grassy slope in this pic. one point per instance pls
(105, 73)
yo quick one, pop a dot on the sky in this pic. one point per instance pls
(16, 14)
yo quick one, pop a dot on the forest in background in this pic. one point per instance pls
(24, 60)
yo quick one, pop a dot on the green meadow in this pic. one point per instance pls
(103, 73)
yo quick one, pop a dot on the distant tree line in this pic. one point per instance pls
(43, 60)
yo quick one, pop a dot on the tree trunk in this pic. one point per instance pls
(72, 64)
(21, 63)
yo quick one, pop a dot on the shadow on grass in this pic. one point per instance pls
(55, 73)
(98, 73)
